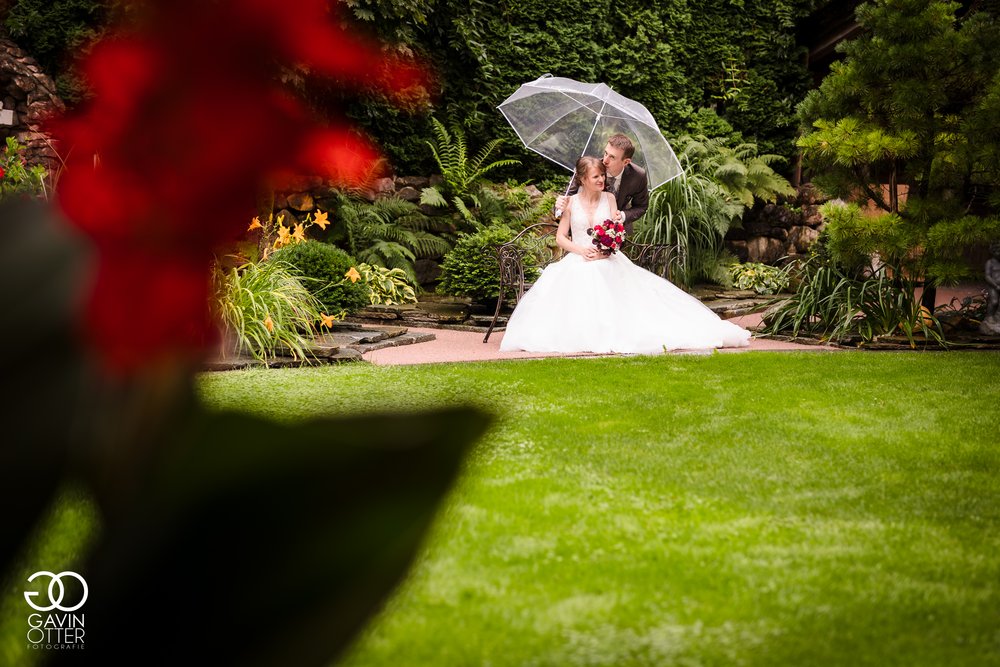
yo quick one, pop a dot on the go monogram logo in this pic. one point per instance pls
(56, 591)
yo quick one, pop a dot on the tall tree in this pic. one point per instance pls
(913, 109)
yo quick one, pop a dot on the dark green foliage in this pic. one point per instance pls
(52, 31)
(674, 56)
(324, 267)
(471, 270)
(914, 105)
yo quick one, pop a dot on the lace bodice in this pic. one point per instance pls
(581, 222)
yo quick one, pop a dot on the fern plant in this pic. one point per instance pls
(695, 210)
(391, 232)
(741, 174)
(462, 174)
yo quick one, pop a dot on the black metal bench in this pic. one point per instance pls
(656, 258)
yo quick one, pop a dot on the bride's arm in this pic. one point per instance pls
(562, 235)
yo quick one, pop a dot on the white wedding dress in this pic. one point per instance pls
(611, 305)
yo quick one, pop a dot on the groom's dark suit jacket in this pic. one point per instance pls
(632, 196)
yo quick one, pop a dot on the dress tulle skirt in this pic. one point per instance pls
(613, 305)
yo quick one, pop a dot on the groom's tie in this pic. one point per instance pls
(610, 184)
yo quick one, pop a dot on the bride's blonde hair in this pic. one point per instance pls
(583, 167)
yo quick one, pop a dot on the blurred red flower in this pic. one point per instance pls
(187, 122)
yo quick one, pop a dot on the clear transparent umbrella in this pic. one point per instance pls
(562, 119)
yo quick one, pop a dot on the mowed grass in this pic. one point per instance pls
(727, 509)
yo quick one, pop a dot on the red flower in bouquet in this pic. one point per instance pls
(187, 121)
(607, 236)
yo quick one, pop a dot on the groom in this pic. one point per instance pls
(626, 180)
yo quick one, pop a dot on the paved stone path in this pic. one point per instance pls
(389, 343)
(449, 345)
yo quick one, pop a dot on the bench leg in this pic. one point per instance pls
(496, 315)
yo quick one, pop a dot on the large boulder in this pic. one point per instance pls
(801, 238)
(765, 250)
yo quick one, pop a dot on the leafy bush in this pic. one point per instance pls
(15, 176)
(471, 269)
(386, 286)
(760, 278)
(325, 269)
(513, 205)
(264, 306)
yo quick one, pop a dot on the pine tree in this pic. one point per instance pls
(916, 102)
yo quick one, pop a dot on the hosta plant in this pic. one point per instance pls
(387, 286)
(761, 278)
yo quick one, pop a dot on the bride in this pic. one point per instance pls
(591, 302)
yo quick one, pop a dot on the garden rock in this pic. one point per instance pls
(812, 217)
(417, 182)
(408, 194)
(428, 271)
(301, 201)
(286, 217)
(765, 250)
(990, 326)
(801, 238)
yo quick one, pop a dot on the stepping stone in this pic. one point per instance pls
(234, 364)
(345, 355)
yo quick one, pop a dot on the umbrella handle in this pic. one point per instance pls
(558, 212)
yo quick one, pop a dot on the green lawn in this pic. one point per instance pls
(730, 509)
(744, 509)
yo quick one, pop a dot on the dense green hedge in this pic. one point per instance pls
(675, 56)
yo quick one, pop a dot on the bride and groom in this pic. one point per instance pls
(590, 301)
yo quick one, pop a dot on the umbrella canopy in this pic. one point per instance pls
(562, 119)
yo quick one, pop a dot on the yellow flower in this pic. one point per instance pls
(328, 320)
(353, 275)
(255, 224)
(269, 323)
(300, 232)
(320, 219)
(284, 236)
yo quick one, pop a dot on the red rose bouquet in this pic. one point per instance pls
(607, 236)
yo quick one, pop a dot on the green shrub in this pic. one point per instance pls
(471, 269)
(16, 178)
(264, 306)
(325, 268)
(760, 278)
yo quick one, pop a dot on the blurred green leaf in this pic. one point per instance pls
(267, 544)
